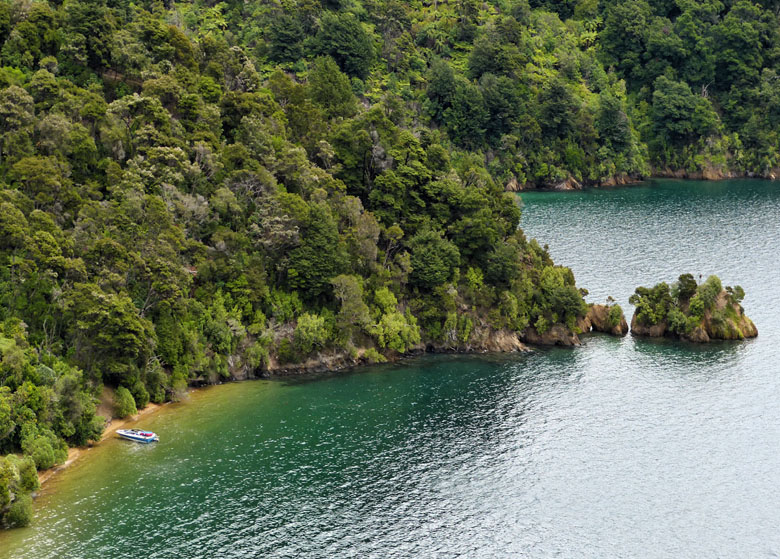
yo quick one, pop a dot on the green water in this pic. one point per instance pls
(621, 448)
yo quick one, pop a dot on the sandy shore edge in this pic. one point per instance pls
(75, 452)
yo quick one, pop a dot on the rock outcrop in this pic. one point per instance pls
(482, 340)
(558, 334)
(727, 321)
(608, 319)
(652, 331)
(722, 319)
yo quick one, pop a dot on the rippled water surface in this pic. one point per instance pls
(621, 448)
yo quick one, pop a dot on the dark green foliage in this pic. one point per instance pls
(331, 89)
(343, 37)
(434, 259)
(321, 256)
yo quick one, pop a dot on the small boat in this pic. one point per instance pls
(138, 435)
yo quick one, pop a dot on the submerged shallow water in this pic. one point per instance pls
(621, 448)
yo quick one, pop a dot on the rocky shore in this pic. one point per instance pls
(709, 173)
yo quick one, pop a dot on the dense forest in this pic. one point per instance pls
(191, 192)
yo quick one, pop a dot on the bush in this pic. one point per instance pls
(124, 404)
(140, 394)
(709, 291)
(373, 356)
(311, 333)
(20, 512)
(43, 446)
(28, 475)
(615, 314)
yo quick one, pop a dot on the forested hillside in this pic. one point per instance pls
(195, 191)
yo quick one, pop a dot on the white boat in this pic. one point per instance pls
(138, 435)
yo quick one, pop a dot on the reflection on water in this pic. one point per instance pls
(620, 448)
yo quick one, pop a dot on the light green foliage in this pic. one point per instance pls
(397, 331)
(709, 291)
(43, 446)
(678, 322)
(615, 315)
(18, 478)
(354, 313)
(541, 325)
(311, 333)
(124, 404)
(371, 355)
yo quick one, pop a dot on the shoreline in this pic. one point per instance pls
(74, 453)
(501, 342)
(571, 184)
(311, 367)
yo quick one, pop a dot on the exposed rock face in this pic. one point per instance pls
(598, 316)
(322, 363)
(736, 326)
(654, 331)
(484, 340)
(558, 334)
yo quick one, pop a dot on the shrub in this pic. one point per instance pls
(541, 325)
(311, 333)
(373, 356)
(124, 404)
(140, 394)
(686, 287)
(20, 512)
(434, 260)
(28, 476)
(709, 291)
(45, 448)
(615, 314)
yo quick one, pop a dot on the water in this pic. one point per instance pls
(621, 448)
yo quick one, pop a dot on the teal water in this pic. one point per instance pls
(621, 448)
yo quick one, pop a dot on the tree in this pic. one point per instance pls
(433, 258)
(679, 116)
(320, 257)
(331, 89)
(612, 123)
(354, 314)
(286, 38)
(20, 512)
(623, 39)
(441, 88)
(342, 37)
(311, 333)
(16, 117)
(466, 117)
